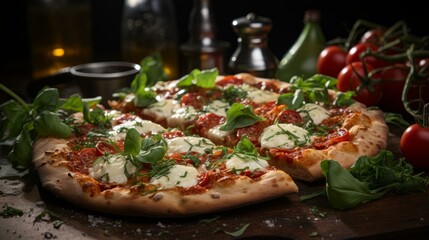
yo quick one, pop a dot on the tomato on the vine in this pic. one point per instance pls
(392, 83)
(368, 93)
(414, 146)
(374, 36)
(331, 60)
(354, 55)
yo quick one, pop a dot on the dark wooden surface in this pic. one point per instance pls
(392, 217)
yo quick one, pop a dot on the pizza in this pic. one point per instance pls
(296, 125)
(204, 143)
(119, 163)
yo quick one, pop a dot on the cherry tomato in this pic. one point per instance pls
(373, 36)
(331, 60)
(349, 81)
(414, 146)
(354, 55)
(392, 83)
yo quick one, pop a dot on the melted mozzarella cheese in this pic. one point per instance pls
(187, 144)
(286, 136)
(260, 96)
(315, 112)
(162, 110)
(217, 134)
(179, 176)
(181, 116)
(142, 126)
(217, 107)
(239, 163)
(112, 169)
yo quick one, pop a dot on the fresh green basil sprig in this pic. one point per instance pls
(21, 123)
(314, 89)
(368, 179)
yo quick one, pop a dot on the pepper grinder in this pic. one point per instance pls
(252, 54)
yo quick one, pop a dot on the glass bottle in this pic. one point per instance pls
(301, 59)
(203, 50)
(252, 54)
(148, 27)
(60, 35)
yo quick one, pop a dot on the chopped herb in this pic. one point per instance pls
(315, 211)
(8, 212)
(237, 233)
(209, 220)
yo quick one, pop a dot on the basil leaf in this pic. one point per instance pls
(132, 144)
(344, 99)
(21, 151)
(204, 79)
(74, 103)
(46, 100)
(49, 124)
(152, 150)
(97, 116)
(343, 189)
(293, 101)
(144, 98)
(245, 146)
(152, 67)
(239, 116)
(13, 120)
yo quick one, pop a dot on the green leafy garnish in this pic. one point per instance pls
(96, 116)
(237, 233)
(369, 179)
(8, 212)
(396, 119)
(203, 79)
(292, 101)
(239, 116)
(21, 123)
(232, 94)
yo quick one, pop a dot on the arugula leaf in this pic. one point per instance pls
(204, 79)
(344, 99)
(239, 116)
(385, 173)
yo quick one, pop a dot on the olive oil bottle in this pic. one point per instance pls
(301, 59)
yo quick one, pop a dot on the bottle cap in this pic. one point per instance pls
(312, 15)
(252, 24)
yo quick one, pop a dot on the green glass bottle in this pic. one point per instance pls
(301, 59)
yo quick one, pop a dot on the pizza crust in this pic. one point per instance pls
(368, 132)
(225, 194)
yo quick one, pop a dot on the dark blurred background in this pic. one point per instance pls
(336, 20)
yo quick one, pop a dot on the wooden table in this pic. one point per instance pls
(392, 217)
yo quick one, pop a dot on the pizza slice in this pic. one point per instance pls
(297, 125)
(120, 163)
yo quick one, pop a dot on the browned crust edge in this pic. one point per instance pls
(224, 195)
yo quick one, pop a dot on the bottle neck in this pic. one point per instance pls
(201, 22)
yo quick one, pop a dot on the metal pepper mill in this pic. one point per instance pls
(252, 54)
